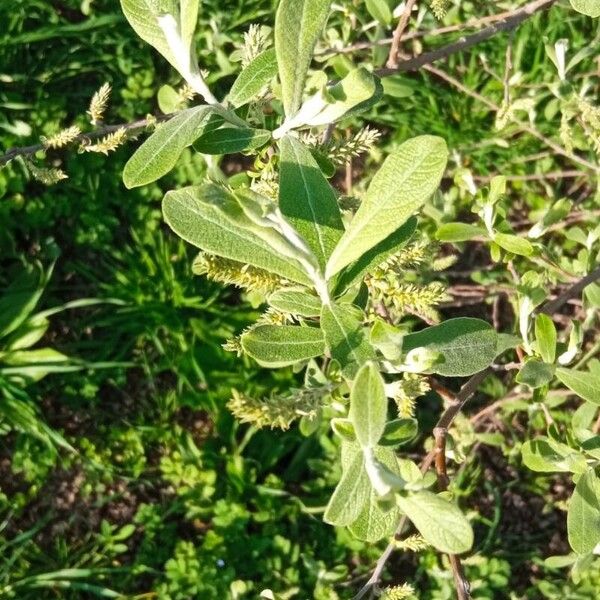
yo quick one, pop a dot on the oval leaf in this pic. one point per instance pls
(295, 301)
(368, 406)
(407, 178)
(583, 516)
(585, 385)
(229, 140)
(253, 79)
(280, 345)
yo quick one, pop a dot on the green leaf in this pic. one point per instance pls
(380, 11)
(281, 345)
(160, 152)
(585, 385)
(459, 232)
(169, 100)
(583, 516)
(591, 8)
(351, 494)
(546, 455)
(440, 522)
(352, 94)
(196, 215)
(407, 178)
(399, 432)
(229, 140)
(387, 339)
(374, 523)
(545, 337)
(535, 373)
(144, 17)
(466, 345)
(253, 78)
(368, 405)
(378, 254)
(345, 337)
(298, 25)
(295, 301)
(514, 244)
(344, 429)
(307, 200)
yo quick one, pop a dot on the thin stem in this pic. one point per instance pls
(392, 61)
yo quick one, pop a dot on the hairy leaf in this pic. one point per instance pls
(585, 384)
(345, 337)
(280, 345)
(253, 79)
(296, 301)
(545, 337)
(467, 345)
(160, 152)
(583, 516)
(368, 405)
(307, 200)
(459, 232)
(298, 24)
(591, 8)
(546, 455)
(407, 178)
(229, 140)
(440, 522)
(195, 215)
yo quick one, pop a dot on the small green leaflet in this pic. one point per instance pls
(196, 219)
(253, 79)
(295, 301)
(375, 256)
(345, 337)
(440, 522)
(459, 232)
(546, 455)
(407, 178)
(591, 8)
(228, 140)
(276, 346)
(298, 25)
(399, 432)
(585, 384)
(583, 516)
(368, 405)
(307, 200)
(351, 494)
(387, 339)
(160, 152)
(535, 373)
(467, 345)
(514, 244)
(380, 11)
(545, 337)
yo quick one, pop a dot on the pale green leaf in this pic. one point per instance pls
(467, 345)
(253, 78)
(585, 384)
(407, 178)
(459, 232)
(189, 19)
(591, 8)
(351, 494)
(514, 244)
(380, 11)
(535, 373)
(440, 522)
(368, 405)
(160, 152)
(345, 337)
(387, 339)
(298, 25)
(295, 301)
(307, 200)
(583, 516)
(196, 216)
(545, 337)
(281, 345)
(546, 455)
(377, 255)
(228, 140)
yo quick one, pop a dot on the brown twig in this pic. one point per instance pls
(83, 137)
(392, 61)
(510, 22)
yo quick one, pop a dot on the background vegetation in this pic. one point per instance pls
(122, 473)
